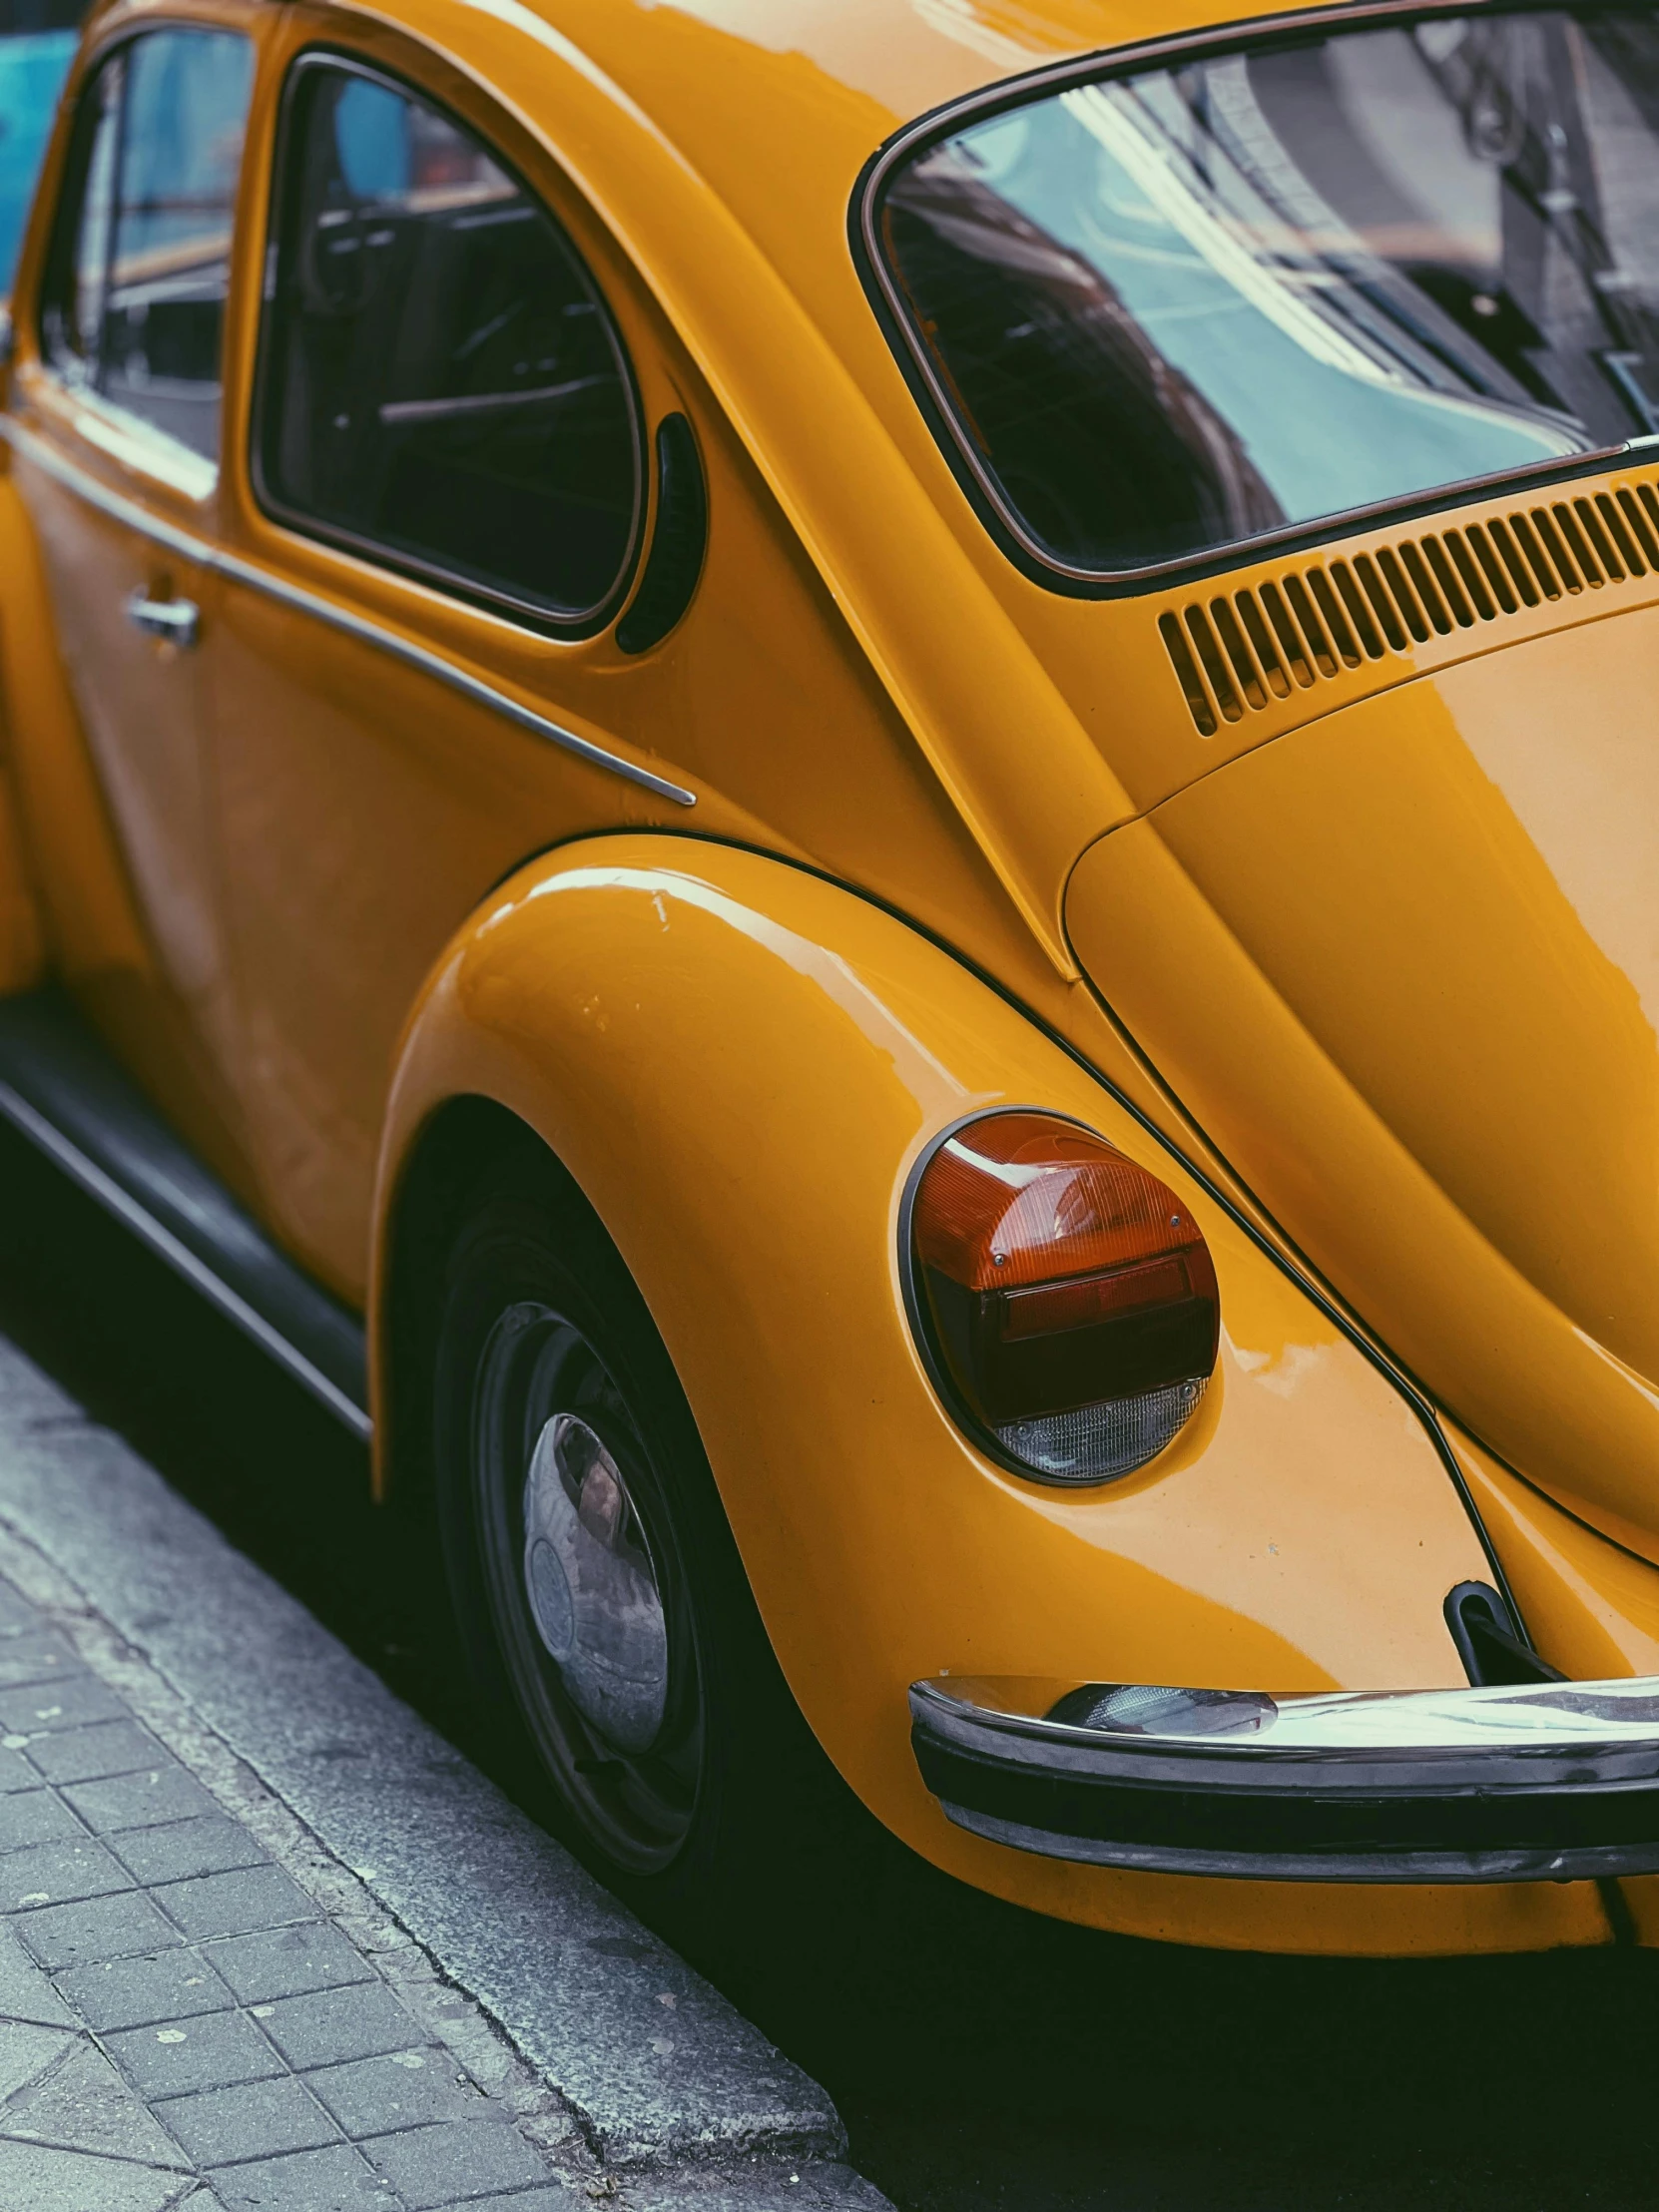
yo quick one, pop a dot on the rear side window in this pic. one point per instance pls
(440, 381)
(134, 306)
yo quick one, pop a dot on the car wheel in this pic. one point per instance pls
(597, 1586)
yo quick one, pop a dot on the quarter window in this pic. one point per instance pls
(133, 307)
(441, 382)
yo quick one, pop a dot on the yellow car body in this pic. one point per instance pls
(1358, 958)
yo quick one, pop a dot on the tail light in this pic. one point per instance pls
(1064, 1297)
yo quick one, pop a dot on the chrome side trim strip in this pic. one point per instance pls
(431, 663)
(1540, 1782)
(125, 511)
(116, 1200)
(212, 558)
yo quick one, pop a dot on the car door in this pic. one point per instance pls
(414, 681)
(115, 433)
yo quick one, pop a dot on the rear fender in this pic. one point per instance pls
(739, 1063)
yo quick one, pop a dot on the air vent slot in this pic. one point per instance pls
(1239, 654)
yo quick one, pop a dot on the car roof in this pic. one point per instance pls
(896, 58)
(776, 105)
(846, 73)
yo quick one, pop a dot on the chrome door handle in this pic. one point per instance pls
(176, 619)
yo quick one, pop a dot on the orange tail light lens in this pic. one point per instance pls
(1064, 1297)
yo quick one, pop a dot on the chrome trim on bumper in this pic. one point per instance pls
(1549, 1782)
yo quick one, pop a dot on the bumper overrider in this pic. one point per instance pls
(1548, 1782)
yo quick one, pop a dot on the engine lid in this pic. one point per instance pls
(1402, 964)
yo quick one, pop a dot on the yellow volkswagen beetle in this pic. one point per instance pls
(859, 799)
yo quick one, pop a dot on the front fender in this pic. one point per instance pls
(739, 1063)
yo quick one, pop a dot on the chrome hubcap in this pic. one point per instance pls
(592, 1587)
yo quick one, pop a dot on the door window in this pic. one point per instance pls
(440, 381)
(133, 307)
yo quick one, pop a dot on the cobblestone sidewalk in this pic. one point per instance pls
(182, 2023)
(267, 1941)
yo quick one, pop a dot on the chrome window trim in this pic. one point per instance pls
(131, 439)
(134, 443)
(397, 647)
(957, 447)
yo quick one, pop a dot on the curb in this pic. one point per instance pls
(660, 2072)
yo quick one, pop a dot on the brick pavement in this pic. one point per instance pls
(183, 2024)
(268, 1940)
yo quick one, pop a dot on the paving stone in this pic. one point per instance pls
(258, 2119)
(376, 2096)
(553, 2196)
(238, 1903)
(290, 1962)
(87, 1754)
(106, 1928)
(83, 2105)
(56, 1873)
(141, 1800)
(337, 2024)
(210, 1843)
(52, 1707)
(16, 1772)
(255, 2039)
(35, 1817)
(214, 2051)
(42, 1655)
(25, 1992)
(26, 2051)
(430, 2166)
(36, 2178)
(331, 2180)
(145, 1993)
(16, 1613)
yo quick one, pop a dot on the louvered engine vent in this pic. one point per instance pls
(1236, 655)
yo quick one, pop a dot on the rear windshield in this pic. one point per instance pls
(1172, 310)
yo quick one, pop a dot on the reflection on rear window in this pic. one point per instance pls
(1172, 311)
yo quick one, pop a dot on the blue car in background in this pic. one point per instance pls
(37, 44)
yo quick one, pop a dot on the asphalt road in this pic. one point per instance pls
(984, 2062)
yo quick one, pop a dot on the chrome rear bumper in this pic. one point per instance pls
(1551, 1782)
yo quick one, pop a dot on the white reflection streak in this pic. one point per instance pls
(957, 20)
(1099, 111)
(835, 975)
(518, 17)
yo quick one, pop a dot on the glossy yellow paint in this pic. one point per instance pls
(285, 916)
(364, 803)
(740, 1064)
(1403, 964)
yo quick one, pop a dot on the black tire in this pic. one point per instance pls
(542, 1339)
